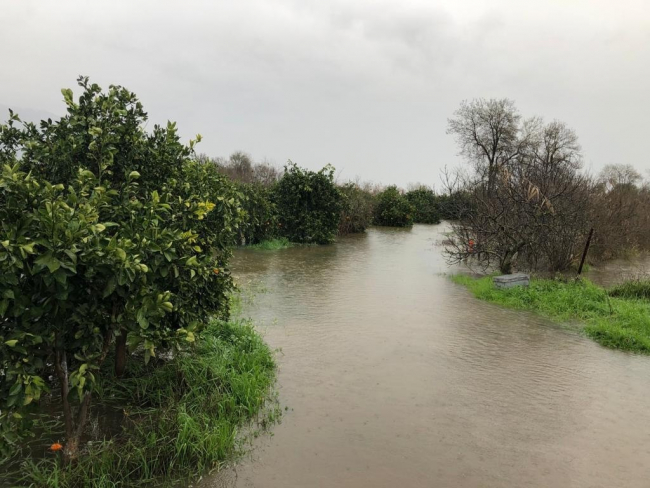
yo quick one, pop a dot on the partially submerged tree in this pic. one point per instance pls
(309, 204)
(358, 208)
(392, 209)
(527, 203)
(425, 205)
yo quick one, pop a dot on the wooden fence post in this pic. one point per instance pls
(584, 253)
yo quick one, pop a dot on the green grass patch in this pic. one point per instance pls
(619, 323)
(272, 244)
(638, 289)
(181, 417)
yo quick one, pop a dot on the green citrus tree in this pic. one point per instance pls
(126, 246)
(425, 205)
(393, 209)
(309, 205)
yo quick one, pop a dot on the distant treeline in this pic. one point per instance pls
(311, 207)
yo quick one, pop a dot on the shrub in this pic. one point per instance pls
(260, 218)
(425, 203)
(393, 209)
(358, 208)
(309, 205)
(98, 258)
(452, 206)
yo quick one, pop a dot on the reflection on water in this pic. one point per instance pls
(396, 377)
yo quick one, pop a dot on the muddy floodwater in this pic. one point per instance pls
(396, 377)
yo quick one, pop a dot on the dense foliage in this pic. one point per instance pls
(97, 258)
(357, 211)
(425, 205)
(260, 218)
(309, 205)
(392, 209)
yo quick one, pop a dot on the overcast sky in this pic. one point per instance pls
(365, 85)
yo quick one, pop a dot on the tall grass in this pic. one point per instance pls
(638, 288)
(182, 417)
(619, 323)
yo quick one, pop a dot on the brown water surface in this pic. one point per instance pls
(396, 377)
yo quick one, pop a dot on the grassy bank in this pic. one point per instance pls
(180, 418)
(620, 322)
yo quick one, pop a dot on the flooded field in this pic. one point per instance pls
(396, 377)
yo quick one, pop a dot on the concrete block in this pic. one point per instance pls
(510, 280)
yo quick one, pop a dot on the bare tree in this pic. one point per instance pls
(526, 203)
(614, 175)
(621, 210)
(487, 133)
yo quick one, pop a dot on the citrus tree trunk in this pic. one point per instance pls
(120, 354)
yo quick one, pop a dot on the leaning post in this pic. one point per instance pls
(584, 253)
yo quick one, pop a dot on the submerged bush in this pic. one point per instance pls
(425, 204)
(260, 217)
(309, 205)
(392, 209)
(358, 208)
(452, 206)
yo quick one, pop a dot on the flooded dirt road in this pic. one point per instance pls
(396, 377)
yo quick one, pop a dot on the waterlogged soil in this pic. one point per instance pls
(396, 377)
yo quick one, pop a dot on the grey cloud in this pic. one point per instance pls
(364, 85)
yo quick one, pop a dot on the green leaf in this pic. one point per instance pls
(12, 342)
(16, 388)
(142, 319)
(28, 248)
(50, 261)
(67, 95)
(110, 287)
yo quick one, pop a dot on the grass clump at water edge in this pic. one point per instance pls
(272, 244)
(619, 323)
(181, 418)
(638, 288)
